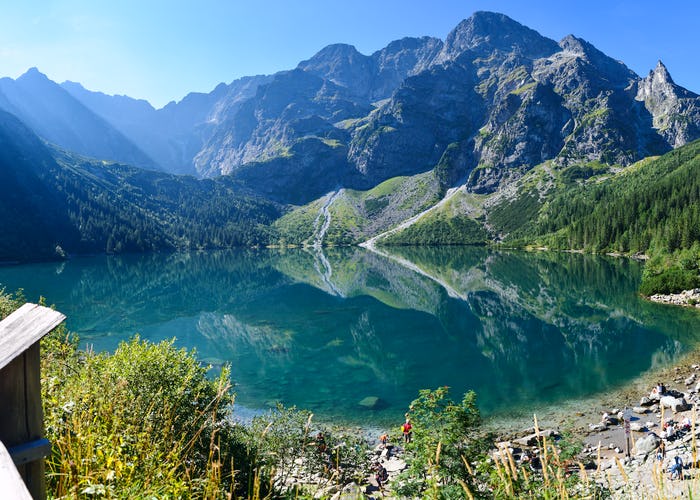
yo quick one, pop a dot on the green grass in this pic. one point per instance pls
(439, 229)
(523, 89)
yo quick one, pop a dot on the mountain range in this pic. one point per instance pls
(351, 147)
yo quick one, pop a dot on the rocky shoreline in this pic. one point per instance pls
(643, 471)
(599, 424)
(687, 298)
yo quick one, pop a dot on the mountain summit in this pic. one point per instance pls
(486, 32)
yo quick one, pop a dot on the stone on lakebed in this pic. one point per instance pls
(370, 402)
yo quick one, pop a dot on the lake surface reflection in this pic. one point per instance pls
(324, 331)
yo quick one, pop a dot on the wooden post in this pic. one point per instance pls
(21, 414)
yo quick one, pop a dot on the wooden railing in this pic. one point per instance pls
(22, 443)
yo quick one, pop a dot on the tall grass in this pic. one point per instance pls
(143, 422)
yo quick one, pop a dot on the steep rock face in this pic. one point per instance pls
(58, 117)
(675, 110)
(607, 123)
(372, 78)
(173, 135)
(293, 106)
(469, 84)
(409, 134)
(310, 168)
(399, 60)
(524, 129)
(344, 66)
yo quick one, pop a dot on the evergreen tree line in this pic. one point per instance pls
(652, 209)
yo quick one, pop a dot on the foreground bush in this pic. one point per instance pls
(146, 422)
(143, 422)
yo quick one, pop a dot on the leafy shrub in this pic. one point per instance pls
(142, 422)
(9, 302)
(446, 435)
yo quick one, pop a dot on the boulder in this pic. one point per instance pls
(676, 404)
(668, 401)
(647, 444)
(370, 402)
(531, 439)
(640, 410)
(350, 491)
(647, 401)
(681, 405)
(637, 427)
(394, 465)
(326, 492)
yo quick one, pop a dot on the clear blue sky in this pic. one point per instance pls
(160, 50)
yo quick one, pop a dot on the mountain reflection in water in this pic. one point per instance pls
(325, 330)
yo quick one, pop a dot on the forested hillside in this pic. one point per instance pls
(56, 203)
(651, 208)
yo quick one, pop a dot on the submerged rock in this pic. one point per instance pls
(370, 402)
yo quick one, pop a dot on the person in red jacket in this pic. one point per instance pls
(406, 429)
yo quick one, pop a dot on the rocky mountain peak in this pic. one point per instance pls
(660, 74)
(675, 110)
(332, 52)
(575, 45)
(335, 61)
(33, 75)
(343, 65)
(659, 86)
(612, 70)
(484, 32)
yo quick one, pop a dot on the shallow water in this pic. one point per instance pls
(324, 331)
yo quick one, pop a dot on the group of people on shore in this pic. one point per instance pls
(671, 431)
(380, 473)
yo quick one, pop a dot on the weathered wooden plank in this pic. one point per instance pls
(13, 410)
(34, 471)
(11, 484)
(23, 328)
(31, 451)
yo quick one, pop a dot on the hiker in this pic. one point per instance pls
(383, 439)
(685, 424)
(658, 391)
(381, 475)
(676, 470)
(320, 442)
(406, 429)
(661, 452)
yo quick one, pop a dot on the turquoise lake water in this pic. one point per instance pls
(325, 330)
